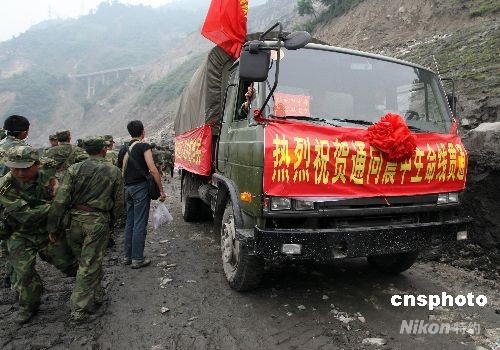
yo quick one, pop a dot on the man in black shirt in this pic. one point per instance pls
(136, 162)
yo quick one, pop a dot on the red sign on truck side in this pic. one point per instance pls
(306, 160)
(193, 150)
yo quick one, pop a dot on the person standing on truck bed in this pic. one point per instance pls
(136, 162)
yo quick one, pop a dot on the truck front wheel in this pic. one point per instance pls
(243, 271)
(393, 263)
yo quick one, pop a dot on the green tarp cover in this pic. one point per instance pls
(201, 100)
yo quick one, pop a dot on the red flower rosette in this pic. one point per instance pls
(392, 136)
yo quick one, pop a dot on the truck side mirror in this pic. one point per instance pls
(254, 62)
(297, 40)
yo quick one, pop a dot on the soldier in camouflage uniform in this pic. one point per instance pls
(16, 129)
(25, 196)
(53, 140)
(92, 191)
(169, 162)
(111, 156)
(157, 158)
(65, 154)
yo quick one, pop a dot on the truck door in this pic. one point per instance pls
(229, 108)
(243, 146)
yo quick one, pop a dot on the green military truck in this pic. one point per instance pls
(296, 177)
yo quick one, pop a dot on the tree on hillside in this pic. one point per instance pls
(305, 7)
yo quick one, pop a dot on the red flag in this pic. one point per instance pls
(226, 25)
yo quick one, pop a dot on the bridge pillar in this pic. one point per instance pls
(90, 87)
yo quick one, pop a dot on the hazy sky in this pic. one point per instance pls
(16, 16)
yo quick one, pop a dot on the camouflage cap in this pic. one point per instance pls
(96, 141)
(109, 138)
(53, 137)
(21, 157)
(62, 135)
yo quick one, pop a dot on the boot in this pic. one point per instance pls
(24, 315)
(137, 264)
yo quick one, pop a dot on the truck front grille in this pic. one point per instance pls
(379, 202)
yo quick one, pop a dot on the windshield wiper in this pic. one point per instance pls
(352, 121)
(365, 122)
(302, 117)
(414, 128)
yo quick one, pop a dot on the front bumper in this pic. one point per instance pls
(329, 244)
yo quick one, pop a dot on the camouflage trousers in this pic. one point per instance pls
(88, 238)
(22, 258)
(4, 254)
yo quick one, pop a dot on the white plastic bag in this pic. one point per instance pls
(161, 215)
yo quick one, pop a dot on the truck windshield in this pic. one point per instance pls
(355, 90)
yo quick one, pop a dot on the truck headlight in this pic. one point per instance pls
(303, 205)
(442, 198)
(445, 198)
(453, 197)
(281, 203)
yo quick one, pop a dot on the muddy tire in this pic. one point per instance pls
(393, 263)
(243, 271)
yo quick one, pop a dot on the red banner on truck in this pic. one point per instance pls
(306, 160)
(193, 150)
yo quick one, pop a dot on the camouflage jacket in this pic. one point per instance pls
(94, 183)
(157, 158)
(5, 145)
(65, 155)
(47, 151)
(112, 157)
(168, 158)
(25, 206)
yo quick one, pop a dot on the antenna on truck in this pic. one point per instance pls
(451, 104)
(277, 71)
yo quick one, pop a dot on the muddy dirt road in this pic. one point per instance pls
(182, 301)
